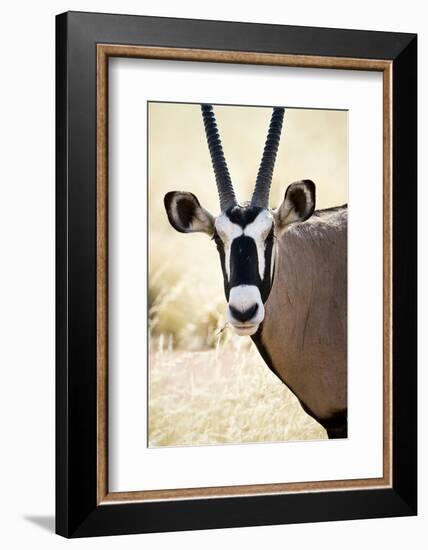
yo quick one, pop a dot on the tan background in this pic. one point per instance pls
(194, 358)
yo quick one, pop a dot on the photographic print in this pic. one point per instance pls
(247, 275)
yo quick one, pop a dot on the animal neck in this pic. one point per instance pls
(303, 334)
(306, 251)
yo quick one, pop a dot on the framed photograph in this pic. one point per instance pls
(236, 274)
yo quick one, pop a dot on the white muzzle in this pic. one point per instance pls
(246, 310)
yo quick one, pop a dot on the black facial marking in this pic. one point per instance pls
(244, 262)
(243, 215)
(220, 248)
(267, 282)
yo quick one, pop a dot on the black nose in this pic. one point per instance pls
(246, 315)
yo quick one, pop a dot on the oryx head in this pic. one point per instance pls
(244, 234)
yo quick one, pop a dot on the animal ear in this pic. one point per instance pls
(186, 215)
(298, 204)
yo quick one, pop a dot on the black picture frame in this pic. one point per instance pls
(77, 512)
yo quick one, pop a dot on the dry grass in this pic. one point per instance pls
(208, 386)
(186, 300)
(219, 396)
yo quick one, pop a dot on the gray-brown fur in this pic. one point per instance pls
(305, 327)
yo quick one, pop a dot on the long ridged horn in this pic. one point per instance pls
(264, 177)
(222, 176)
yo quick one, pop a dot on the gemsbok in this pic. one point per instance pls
(285, 276)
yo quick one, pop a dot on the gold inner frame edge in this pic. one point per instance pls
(104, 51)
